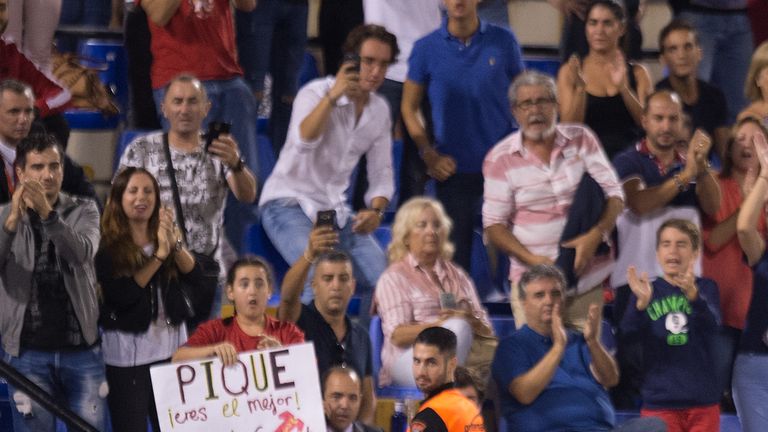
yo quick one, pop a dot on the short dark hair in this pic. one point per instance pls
(363, 32)
(465, 377)
(442, 338)
(339, 370)
(540, 271)
(676, 24)
(683, 225)
(36, 142)
(251, 260)
(333, 256)
(14, 86)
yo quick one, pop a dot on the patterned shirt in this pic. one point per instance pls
(532, 198)
(202, 186)
(405, 294)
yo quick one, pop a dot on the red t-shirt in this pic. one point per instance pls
(727, 266)
(50, 98)
(201, 43)
(227, 329)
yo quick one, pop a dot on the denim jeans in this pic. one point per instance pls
(726, 44)
(75, 379)
(272, 39)
(232, 102)
(750, 391)
(288, 228)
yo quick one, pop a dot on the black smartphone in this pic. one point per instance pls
(354, 59)
(326, 218)
(215, 128)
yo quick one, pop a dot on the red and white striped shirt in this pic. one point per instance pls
(532, 198)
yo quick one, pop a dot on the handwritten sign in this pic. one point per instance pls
(276, 390)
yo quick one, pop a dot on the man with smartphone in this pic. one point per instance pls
(203, 170)
(335, 121)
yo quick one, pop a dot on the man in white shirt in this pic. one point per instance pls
(334, 122)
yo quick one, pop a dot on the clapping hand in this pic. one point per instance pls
(687, 283)
(559, 335)
(592, 326)
(640, 287)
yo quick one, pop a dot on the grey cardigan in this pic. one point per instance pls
(74, 230)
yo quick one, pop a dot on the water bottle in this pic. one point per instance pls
(399, 421)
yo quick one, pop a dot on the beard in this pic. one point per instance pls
(542, 135)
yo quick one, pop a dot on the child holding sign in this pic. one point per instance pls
(249, 286)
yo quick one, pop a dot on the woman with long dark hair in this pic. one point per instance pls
(142, 265)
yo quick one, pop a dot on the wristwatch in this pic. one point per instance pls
(179, 244)
(239, 166)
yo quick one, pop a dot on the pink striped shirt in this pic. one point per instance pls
(532, 198)
(405, 294)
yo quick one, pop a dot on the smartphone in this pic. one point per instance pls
(215, 128)
(326, 218)
(354, 59)
(447, 301)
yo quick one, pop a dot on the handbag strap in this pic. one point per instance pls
(175, 191)
(174, 186)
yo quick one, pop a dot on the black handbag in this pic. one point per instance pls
(201, 300)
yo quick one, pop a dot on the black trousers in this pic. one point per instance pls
(131, 400)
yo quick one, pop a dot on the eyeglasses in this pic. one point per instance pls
(528, 104)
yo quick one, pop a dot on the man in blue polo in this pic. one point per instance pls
(465, 68)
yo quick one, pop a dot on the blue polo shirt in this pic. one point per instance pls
(640, 163)
(573, 400)
(467, 88)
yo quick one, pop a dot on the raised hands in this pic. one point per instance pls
(761, 148)
(225, 149)
(347, 82)
(322, 239)
(687, 283)
(617, 71)
(698, 150)
(594, 320)
(166, 234)
(34, 198)
(575, 74)
(559, 335)
(640, 286)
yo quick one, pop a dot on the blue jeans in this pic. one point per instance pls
(75, 379)
(232, 102)
(288, 228)
(726, 44)
(750, 391)
(272, 39)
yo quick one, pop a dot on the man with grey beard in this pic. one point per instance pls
(531, 179)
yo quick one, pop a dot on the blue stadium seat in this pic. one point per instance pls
(383, 235)
(549, 66)
(390, 392)
(257, 242)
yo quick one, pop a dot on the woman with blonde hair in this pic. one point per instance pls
(423, 288)
(756, 85)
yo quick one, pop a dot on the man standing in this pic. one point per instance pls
(338, 341)
(660, 184)
(197, 37)
(48, 303)
(463, 67)
(341, 400)
(334, 122)
(16, 116)
(445, 408)
(531, 180)
(203, 175)
(681, 53)
(544, 369)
